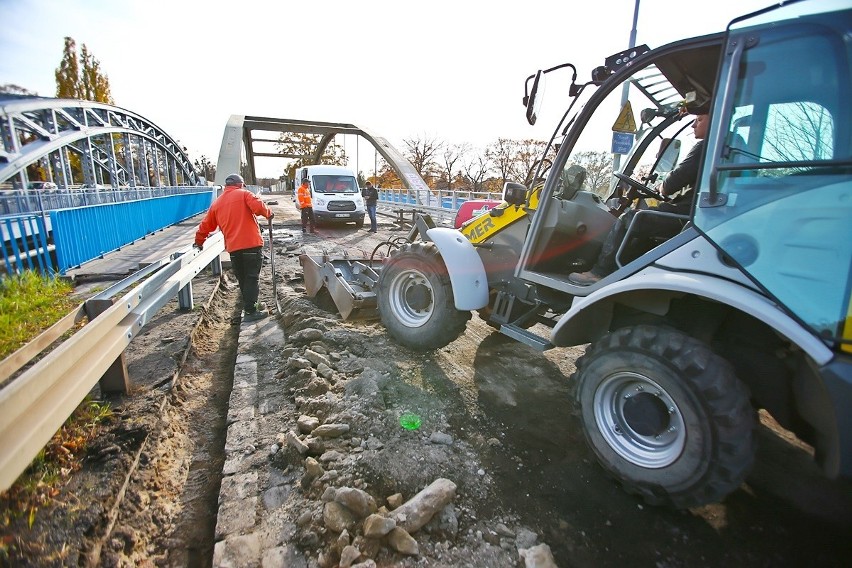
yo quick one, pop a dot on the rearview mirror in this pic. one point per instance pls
(533, 100)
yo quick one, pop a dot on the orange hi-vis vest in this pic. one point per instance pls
(304, 196)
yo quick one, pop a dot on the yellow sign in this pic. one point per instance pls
(625, 121)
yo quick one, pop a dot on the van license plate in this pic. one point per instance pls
(342, 215)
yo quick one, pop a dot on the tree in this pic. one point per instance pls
(300, 146)
(81, 77)
(205, 167)
(501, 154)
(474, 169)
(421, 153)
(452, 154)
(12, 89)
(598, 170)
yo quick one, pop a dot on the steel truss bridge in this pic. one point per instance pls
(71, 142)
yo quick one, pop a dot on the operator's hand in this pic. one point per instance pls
(198, 246)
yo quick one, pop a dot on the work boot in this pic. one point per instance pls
(584, 278)
(304, 230)
(260, 311)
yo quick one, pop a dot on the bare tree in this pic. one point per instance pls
(474, 168)
(501, 154)
(12, 89)
(451, 155)
(421, 153)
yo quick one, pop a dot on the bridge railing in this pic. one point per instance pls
(55, 239)
(19, 201)
(442, 205)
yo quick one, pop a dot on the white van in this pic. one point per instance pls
(334, 192)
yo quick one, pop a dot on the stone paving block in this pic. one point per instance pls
(245, 374)
(237, 552)
(241, 436)
(236, 517)
(238, 487)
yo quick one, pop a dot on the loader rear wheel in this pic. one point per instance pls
(415, 298)
(665, 416)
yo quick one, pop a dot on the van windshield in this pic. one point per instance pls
(334, 184)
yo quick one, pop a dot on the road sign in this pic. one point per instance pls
(625, 121)
(621, 142)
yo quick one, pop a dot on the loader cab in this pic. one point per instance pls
(578, 207)
(788, 93)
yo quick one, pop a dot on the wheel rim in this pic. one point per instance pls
(639, 420)
(411, 298)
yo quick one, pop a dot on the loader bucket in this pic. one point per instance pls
(350, 284)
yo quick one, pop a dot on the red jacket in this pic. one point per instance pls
(233, 212)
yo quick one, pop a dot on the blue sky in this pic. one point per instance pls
(451, 70)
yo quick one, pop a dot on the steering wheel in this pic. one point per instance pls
(644, 190)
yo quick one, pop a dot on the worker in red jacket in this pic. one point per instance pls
(234, 213)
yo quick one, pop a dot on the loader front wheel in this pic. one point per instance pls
(665, 416)
(415, 298)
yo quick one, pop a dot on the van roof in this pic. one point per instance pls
(322, 168)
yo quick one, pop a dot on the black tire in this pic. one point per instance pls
(665, 416)
(415, 298)
(359, 223)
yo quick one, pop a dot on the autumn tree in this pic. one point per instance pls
(81, 77)
(300, 146)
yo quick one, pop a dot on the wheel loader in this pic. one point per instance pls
(744, 306)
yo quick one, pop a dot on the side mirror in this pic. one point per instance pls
(533, 100)
(514, 193)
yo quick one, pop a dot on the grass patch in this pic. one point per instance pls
(29, 304)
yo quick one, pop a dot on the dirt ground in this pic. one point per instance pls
(496, 422)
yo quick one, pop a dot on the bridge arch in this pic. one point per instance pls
(243, 133)
(72, 142)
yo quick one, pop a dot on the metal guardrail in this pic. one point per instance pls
(35, 404)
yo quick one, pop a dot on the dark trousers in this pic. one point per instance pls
(649, 226)
(371, 213)
(308, 217)
(246, 264)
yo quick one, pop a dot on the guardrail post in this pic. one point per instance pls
(185, 300)
(116, 379)
(216, 266)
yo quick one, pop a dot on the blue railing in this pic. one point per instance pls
(25, 245)
(83, 233)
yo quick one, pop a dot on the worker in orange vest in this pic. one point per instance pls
(303, 197)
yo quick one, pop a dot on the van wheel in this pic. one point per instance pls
(360, 223)
(665, 416)
(415, 298)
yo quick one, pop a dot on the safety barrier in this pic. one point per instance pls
(84, 233)
(35, 403)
